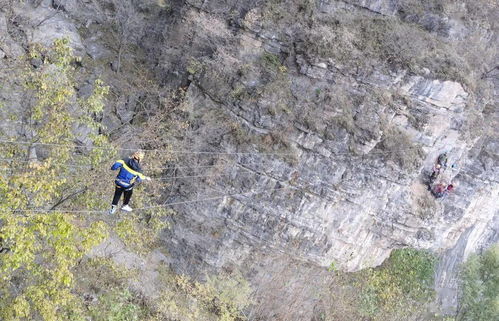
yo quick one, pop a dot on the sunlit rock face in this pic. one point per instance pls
(335, 142)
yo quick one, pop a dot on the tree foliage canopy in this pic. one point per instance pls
(41, 247)
(480, 287)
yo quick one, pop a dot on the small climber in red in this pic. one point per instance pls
(440, 190)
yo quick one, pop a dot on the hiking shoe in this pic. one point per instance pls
(113, 209)
(126, 208)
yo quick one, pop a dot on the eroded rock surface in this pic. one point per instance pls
(336, 135)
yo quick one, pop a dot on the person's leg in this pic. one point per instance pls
(117, 195)
(128, 195)
(433, 176)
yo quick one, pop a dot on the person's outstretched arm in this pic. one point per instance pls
(143, 178)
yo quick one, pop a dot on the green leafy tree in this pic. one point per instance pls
(222, 297)
(402, 284)
(41, 239)
(117, 305)
(480, 287)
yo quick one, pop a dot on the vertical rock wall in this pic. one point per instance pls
(334, 144)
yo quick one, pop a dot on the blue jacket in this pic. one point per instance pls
(130, 172)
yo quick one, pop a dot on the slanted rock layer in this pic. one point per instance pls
(337, 124)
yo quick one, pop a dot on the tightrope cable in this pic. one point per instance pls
(198, 152)
(159, 206)
(72, 165)
(142, 149)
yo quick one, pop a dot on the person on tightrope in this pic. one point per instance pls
(129, 174)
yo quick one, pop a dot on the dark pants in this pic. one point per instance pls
(117, 195)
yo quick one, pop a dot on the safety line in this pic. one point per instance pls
(347, 154)
(201, 152)
(179, 203)
(219, 197)
(22, 160)
(158, 206)
(239, 165)
(165, 178)
(193, 176)
(254, 171)
(263, 175)
(142, 149)
(162, 178)
(173, 167)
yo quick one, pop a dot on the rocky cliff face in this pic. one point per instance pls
(334, 113)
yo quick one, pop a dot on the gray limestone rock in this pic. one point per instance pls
(9, 47)
(335, 148)
(47, 24)
(96, 50)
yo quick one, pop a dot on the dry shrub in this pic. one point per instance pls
(400, 149)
